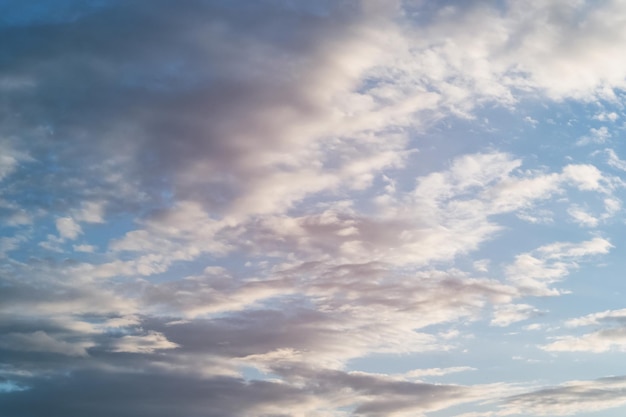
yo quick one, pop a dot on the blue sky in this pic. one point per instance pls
(279, 208)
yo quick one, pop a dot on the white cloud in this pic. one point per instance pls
(604, 116)
(8, 244)
(84, 248)
(585, 177)
(615, 161)
(419, 373)
(123, 321)
(597, 136)
(531, 121)
(481, 265)
(19, 218)
(508, 314)
(561, 50)
(596, 342)
(52, 243)
(447, 214)
(582, 217)
(560, 250)
(598, 318)
(610, 337)
(68, 228)
(90, 212)
(532, 272)
(148, 343)
(612, 206)
(10, 159)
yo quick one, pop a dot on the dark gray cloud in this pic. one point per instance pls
(181, 97)
(139, 394)
(316, 314)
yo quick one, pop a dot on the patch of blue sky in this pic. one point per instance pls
(514, 355)
(15, 13)
(8, 386)
(42, 239)
(446, 140)
(552, 132)
(320, 8)
(509, 354)
(101, 235)
(541, 132)
(458, 410)
(527, 237)
(251, 373)
(43, 183)
(583, 283)
(609, 412)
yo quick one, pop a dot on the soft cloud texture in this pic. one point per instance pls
(310, 209)
(570, 398)
(610, 336)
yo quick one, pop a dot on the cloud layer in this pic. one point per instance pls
(356, 208)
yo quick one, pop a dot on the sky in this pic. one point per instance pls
(287, 208)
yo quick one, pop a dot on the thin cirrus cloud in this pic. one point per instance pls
(287, 208)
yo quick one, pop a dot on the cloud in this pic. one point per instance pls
(418, 373)
(604, 116)
(10, 158)
(611, 335)
(315, 313)
(508, 314)
(596, 342)
(8, 244)
(597, 136)
(68, 228)
(555, 49)
(40, 341)
(585, 177)
(448, 213)
(598, 318)
(90, 212)
(276, 193)
(532, 272)
(289, 105)
(138, 394)
(570, 398)
(147, 343)
(84, 248)
(582, 217)
(615, 161)
(316, 102)
(323, 393)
